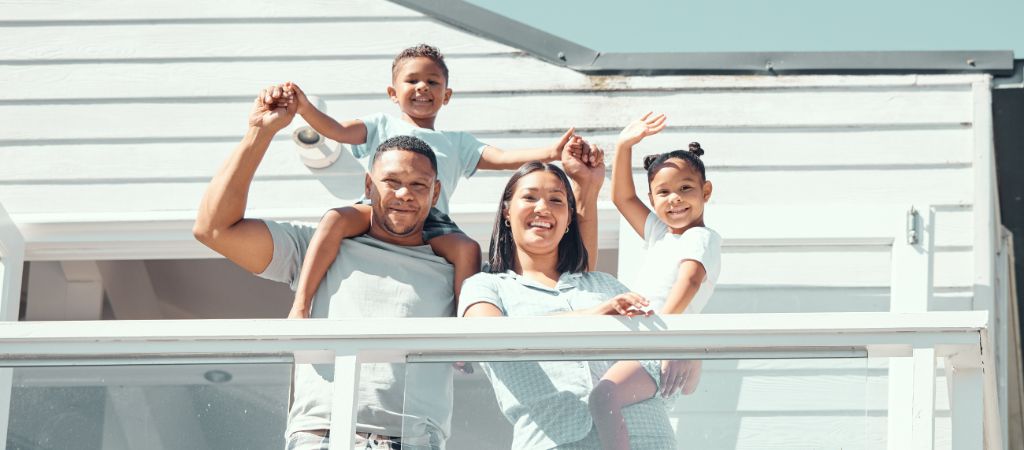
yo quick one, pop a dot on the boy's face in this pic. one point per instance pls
(420, 89)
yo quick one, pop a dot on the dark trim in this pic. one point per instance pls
(995, 62)
(559, 51)
(496, 27)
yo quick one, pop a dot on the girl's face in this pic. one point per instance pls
(538, 212)
(678, 195)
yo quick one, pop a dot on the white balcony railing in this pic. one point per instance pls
(961, 338)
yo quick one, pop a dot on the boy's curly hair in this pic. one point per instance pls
(424, 51)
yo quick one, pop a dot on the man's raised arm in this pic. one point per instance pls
(221, 223)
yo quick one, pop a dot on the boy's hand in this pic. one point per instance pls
(583, 163)
(300, 97)
(273, 109)
(637, 130)
(556, 150)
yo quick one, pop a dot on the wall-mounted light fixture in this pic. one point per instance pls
(313, 148)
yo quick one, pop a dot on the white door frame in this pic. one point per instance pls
(12, 259)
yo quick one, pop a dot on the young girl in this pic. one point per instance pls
(679, 271)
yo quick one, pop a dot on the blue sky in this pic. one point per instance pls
(776, 25)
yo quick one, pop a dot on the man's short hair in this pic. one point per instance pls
(421, 51)
(409, 144)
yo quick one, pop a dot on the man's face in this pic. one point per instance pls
(403, 187)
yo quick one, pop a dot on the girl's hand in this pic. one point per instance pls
(298, 313)
(676, 374)
(628, 304)
(637, 130)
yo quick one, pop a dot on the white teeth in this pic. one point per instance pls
(541, 225)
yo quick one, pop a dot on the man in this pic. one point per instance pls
(389, 272)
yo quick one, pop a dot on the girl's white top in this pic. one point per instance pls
(665, 251)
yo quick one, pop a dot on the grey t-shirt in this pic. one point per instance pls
(372, 278)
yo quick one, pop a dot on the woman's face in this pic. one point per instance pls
(538, 212)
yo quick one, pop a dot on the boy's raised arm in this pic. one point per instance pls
(348, 132)
(220, 222)
(494, 158)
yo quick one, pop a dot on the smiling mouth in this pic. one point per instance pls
(541, 225)
(422, 100)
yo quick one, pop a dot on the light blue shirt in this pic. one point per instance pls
(546, 401)
(457, 152)
(372, 278)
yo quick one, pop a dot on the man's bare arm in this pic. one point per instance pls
(221, 223)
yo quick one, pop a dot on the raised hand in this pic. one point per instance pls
(638, 129)
(272, 109)
(583, 162)
(301, 100)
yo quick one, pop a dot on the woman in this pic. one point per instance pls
(538, 266)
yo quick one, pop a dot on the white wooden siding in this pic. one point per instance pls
(121, 109)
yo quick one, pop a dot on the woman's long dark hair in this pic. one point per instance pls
(572, 255)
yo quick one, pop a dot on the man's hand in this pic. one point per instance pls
(638, 129)
(273, 109)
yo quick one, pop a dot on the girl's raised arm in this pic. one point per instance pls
(623, 189)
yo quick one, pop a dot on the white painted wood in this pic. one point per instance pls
(923, 423)
(196, 41)
(967, 408)
(343, 406)
(985, 222)
(114, 10)
(905, 186)
(956, 332)
(759, 109)
(470, 75)
(727, 152)
(12, 255)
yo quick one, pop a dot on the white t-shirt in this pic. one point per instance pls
(372, 278)
(665, 251)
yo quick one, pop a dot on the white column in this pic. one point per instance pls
(967, 406)
(343, 408)
(909, 379)
(12, 259)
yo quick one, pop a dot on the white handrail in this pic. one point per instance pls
(959, 336)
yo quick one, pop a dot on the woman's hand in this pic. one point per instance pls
(637, 130)
(628, 304)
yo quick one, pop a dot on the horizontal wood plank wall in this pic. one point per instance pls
(111, 107)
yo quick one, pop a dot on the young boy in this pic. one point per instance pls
(419, 85)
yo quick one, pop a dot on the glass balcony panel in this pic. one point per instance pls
(829, 403)
(201, 406)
